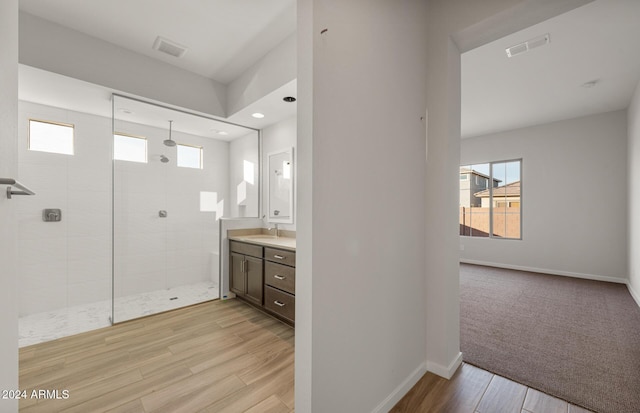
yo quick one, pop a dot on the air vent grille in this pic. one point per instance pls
(167, 46)
(528, 45)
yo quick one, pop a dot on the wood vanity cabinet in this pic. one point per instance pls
(280, 283)
(247, 271)
(265, 277)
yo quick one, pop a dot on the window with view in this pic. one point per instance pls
(189, 156)
(53, 137)
(490, 203)
(129, 148)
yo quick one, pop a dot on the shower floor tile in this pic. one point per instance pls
(41, 327)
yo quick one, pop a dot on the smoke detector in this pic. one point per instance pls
(528, 45)
(169, 47)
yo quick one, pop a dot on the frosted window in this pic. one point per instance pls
(129, 148)
(189, 156)
(50, 137)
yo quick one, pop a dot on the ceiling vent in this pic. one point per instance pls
(167, 46)
(528, 45)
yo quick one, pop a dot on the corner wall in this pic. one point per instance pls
(574, 189)
(633, 165)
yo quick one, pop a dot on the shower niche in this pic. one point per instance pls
(175, 174)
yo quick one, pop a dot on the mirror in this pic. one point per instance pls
(280, 186)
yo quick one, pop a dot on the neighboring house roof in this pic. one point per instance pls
(471, 171)
(512, 189)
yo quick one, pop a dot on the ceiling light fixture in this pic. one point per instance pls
(528, 45)
(258, 115)
(223, 133)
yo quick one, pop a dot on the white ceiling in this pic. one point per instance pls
(224, 37)
(598, 41)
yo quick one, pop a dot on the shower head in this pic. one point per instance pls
(169, 142)
(164, 159)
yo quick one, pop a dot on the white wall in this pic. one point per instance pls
(281, 135)
(55, 48)
(346, 110)
(65, 263)
(633, 165)
(68, 263)
(574, 190)
(8, 169)
(244, 191)
(365, 225)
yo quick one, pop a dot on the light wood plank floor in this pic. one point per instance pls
(220, 356)
(473, 390)
(224, 356)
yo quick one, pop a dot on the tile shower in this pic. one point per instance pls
(112, 257)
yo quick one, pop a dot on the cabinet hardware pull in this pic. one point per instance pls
(279, 277)
(280, 257)
(279, 303)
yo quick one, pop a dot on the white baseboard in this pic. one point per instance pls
(442, 371)
(619, 280)
(634, 294)
(395, 396)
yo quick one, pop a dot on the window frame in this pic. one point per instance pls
(201, 148)
(490, 187)
(52, 122)
(129, 135)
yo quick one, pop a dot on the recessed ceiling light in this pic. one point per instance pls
(258, 115)
(223, 133)
(289, 99)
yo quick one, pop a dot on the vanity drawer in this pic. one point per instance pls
(280, 256)
(246, 249)
(280, 276)
(280, 303)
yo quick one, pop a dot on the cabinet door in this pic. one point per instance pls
(255, 283)
(238, 281)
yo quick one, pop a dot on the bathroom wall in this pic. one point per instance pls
(68, 263)
(281, 135)
(154, 253)
(64, 263)
(244, 177)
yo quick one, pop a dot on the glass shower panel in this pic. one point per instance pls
(166, 204)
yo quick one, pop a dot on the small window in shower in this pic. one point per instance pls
(53, 137)
(129, 148)
(189, 156)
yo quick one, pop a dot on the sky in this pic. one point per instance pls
(507, 172)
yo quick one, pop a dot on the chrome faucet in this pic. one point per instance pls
(276, 230)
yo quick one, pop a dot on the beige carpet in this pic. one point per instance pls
(575, 339)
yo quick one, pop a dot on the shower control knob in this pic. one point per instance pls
(162, 213)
